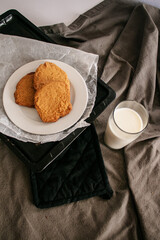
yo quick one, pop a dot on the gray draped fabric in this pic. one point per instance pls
(126, 37)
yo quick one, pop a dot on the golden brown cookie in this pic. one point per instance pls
(24, 94)
(52, 101)
(47, 73)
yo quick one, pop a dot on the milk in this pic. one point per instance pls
(122, 128)
(128, 120)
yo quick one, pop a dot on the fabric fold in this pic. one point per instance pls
(132, 69)
(126, 37)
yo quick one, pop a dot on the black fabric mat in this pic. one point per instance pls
(77, 174)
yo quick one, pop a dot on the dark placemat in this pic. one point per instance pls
(77, 174)
(38, 156)
(69, 170)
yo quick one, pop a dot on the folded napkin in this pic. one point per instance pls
(77, 174)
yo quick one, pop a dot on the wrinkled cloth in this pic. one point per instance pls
(126, 38)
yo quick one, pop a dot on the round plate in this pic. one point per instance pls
(27, 118)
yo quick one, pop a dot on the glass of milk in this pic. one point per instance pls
(127, 121)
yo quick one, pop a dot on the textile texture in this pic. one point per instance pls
(126, 38)
(78, 173)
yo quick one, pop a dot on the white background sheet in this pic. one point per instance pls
(50, 12)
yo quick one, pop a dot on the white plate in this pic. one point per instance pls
(27, 118)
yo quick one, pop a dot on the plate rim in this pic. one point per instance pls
(46, 130)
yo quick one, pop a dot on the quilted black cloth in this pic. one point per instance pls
(76, 174)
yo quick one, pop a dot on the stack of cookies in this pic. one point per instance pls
(48, 90)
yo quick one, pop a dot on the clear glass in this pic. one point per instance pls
(126, 122)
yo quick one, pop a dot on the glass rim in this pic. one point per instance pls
(133, 133)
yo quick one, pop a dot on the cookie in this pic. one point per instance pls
(52, 101)
(47, 73)
(24, 94)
